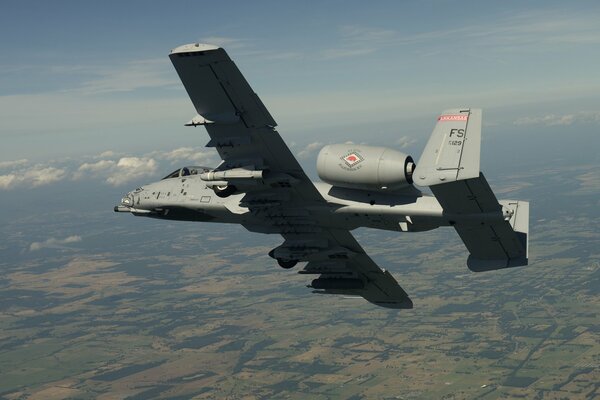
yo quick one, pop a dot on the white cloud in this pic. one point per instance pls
(115, 171)
(309, 149)
(94, 169)
(13, 163)
(39, 176)
(7, 181)
(54, 242)
(223, 41)
(128, 169)
(558, 120)
(101, 165)
(133, 75)
(589, 182)
(537, 29)
(405, 141)
(106, 154)
(30, 177)
(185, 154)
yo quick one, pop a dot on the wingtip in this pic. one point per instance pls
(479, 265)
(406, 304)
(193, 47)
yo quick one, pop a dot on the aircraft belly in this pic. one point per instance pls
(414, 215)
(185, 214)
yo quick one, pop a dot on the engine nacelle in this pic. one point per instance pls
(365, 167)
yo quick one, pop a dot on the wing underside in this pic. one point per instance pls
(344, 268)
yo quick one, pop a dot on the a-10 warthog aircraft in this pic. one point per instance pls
(260, 185)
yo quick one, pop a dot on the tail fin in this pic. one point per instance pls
(452, 152)
(496, 234)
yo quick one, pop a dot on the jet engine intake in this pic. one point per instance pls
(365, 167)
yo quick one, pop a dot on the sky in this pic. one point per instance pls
(87, 89)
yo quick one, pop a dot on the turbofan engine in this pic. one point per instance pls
(365, 167)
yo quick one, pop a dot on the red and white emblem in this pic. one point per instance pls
(352, 159)
(448, 117)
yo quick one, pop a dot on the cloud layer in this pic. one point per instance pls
(557, 120)
(54, 242)
(34, 176)
(310, 149)
(109, 167)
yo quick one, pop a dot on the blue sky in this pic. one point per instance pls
(91, 83)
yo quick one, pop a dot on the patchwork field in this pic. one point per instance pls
(144, 309)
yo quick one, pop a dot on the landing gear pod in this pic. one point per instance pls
(365, 167)
(224, 191)
(286, 264)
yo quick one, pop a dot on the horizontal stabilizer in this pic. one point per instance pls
(496, 234)
(500, 245)
(470, 196)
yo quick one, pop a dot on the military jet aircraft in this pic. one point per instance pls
(260, 185)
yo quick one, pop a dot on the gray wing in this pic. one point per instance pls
(239, 125)
(344, 268)
(243, 133)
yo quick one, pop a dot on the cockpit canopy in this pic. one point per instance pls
(186, 171)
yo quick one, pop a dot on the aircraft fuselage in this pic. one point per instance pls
(190, 199)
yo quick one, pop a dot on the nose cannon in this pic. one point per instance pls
(128, 200)
(128, 205)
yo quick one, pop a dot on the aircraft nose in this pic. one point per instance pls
(127, 200)
(126, 203)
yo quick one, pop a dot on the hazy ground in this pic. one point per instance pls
(95, 304)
